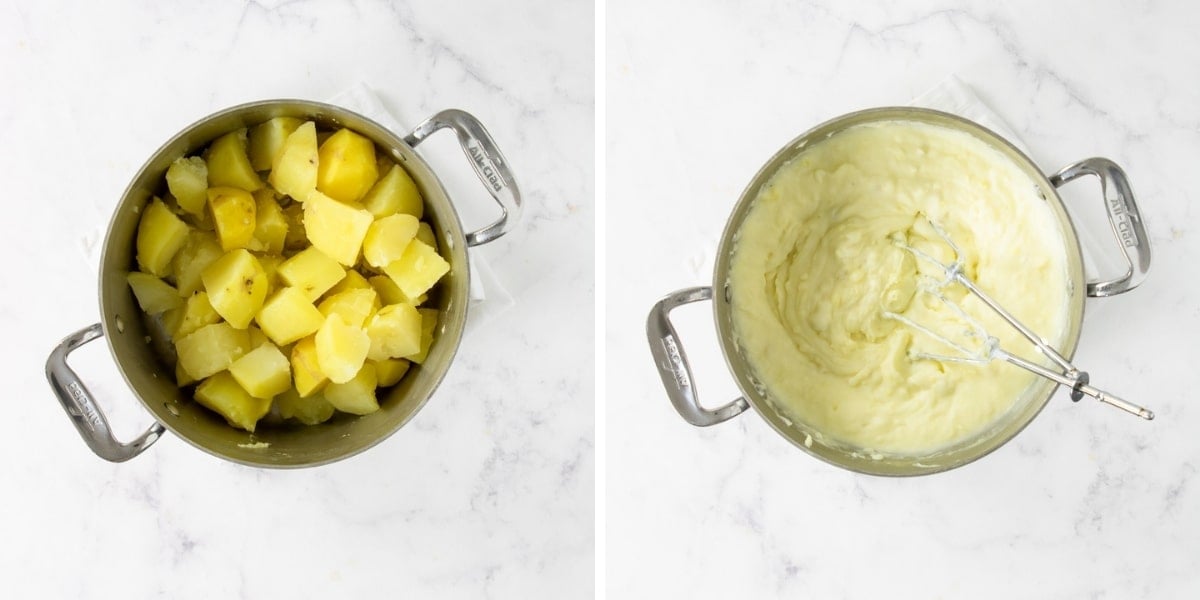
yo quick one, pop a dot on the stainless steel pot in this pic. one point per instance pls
(153, 383)
(677, 376)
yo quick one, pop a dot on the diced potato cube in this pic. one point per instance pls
(296, 237)
(263, 372)
(387, 238)
(353, 281)
(187, 178)
(236, 286)
(336, 229)
(355, 395)
(353, 305)
(270, 225)
(233, 212)
(211, 349)
(267, 139)
(295, 170)
(346, 166)
(418, 269)
(228, 164)
(341, 349)
(222, 394)
(390, 371)
(425, 234)
(200, 251)
(160, 235)
(395, 193)
(182, 377)
(197, 313)
(257, 337)
(270, 264)
(429, 321)
(312, 272)
(306, 371)
(312, 410)
(394, 332)
(390, 293)
(288, 316)
(153, 294)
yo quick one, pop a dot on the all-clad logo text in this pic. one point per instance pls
(1120, 218)
(486, 167)
(86, 411)
(676, 367)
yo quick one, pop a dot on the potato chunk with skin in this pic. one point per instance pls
(200, 251)
(264, 372)
(395, 193)
(222, 394)
(341, 349)
(429, 320)
(312, 410)
(211, 349)
(267, 139)
(153, 294)
(353, 305)
(236, 286)
(346, 166)
(160, 235)
(418, 269)
(390, 371)
(312, 272)
(306, 371)
(197, 313)
(288, 316)
(295, 170)
(394, 332)
(270, 224)
(334, 228)
(229, 165)
(187, 179)
(356, 395)
(234, 215)
(387, 238)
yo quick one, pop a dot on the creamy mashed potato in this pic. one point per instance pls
(819, 261)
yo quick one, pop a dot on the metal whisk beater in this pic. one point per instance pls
(1072, 377)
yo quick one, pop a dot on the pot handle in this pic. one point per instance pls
(489, 165)
(673, 365)
(1123, 215)
(82, 408)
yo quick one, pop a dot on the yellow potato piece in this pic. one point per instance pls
(289, 315)
(211, 349)
(153, 294)
(356, 395)
(429, 321)
(228, 164)
(270, 264)
(270, 224)
(236, 286)
(196, 313)
(353, 305)
(418, 269)
(267, 139)
(312, 272)
(387, 238)
(311, 410)
(263, 372)
(346, 166)
(160, 235)
(222, 394)
(334, 228)
(296, 238)
(390, 371)
(425, 234)
(200, 251)
(395, 193)
(353, 281)
(187, 179)
(295, 170)
(233, 212)
(306, 371)
(341, 349)
(394, 332)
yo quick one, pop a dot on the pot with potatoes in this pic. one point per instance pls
(284, 284)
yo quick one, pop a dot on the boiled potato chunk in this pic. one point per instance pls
(429, 320)
(263, 372)
(270, 224)
(200, 251)
(288, 316)
(222, 394)
(387, 238)
(395, 193)
(270, 264)
(353, 305)
(211, 349)
(153, 294)
(196, 313)
(257, 337)
(341, 349)
(187, 179)
(353, 281)
(346, 166)
(233, 212)
(306, 371)
(390, 371)
(160, 235)
(236, 286)
(228, 164)
(182, 377)
(394, 332)
(356, 395)
(390, 293)
(425, 234)
(417, 269)
(296, 238)
(267, 139)
(312, 410)
(295, 170)
(334, 228)
(312, 272)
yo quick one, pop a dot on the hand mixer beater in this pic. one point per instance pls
(988, 346)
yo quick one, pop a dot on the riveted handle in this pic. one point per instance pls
(489, 165)
(1123, 215)
(673, 365)
(82, 408)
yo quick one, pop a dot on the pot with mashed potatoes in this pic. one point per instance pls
(816, 261)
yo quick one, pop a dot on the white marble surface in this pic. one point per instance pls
(487, 493)
(1087, 502)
